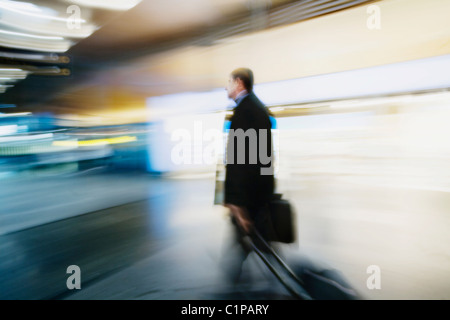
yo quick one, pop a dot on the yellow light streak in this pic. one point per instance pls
(95, 142)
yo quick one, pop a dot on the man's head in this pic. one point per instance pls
(240, 79)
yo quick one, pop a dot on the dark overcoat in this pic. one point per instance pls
(249, 179)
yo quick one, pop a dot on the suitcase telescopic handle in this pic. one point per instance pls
(303, 295)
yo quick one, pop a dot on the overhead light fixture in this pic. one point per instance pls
(10, 70)
(8, 130)
(32, 10)
(18, 114)
(48, 71)
(44, 28)
(10, 75)
(33, 137)
(32, 36)
(19, 5)
(116, 5)
(34, 42)
(41, 57)
(9, 80)
(43, 24)
(40, 19)
(49, 28)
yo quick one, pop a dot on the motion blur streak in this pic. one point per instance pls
(96, 142)
(116, 165)
(375, 184)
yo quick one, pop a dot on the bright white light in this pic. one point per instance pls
(24, 6)
(118, 5)
(410, 76)
(20, 9)
(12, 79)
(401, 100)
(7, 130)
(19, 114)
(277, 109)
(34, 42)
(398, 78)
(188, 102)
(41, 21)
(28, 137)
(11, 75)
(27, 35)
(11, 69)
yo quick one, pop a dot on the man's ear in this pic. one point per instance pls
(240, 82)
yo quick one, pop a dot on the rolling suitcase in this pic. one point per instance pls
(303, 279)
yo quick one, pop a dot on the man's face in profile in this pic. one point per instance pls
(232, 87)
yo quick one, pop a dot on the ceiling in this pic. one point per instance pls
(110, 38)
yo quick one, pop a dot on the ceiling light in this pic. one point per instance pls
(17, 5)
(19, 114)
(117, 5)
(42, 57)
(11, 69)
(27, 35)
(44, 20)
(34, 42)
(12, 74)
(34, 13)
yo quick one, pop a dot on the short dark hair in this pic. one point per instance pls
(246, 75)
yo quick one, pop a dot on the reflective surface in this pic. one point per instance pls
(168, 245)
(369, 183)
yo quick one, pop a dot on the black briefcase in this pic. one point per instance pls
(283, 220)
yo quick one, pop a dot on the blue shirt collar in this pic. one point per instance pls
(241, 95)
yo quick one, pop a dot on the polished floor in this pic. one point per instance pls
(165, 246)
(136, 236)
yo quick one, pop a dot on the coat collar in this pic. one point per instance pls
(240, 96)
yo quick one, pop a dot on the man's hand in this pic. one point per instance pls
(241, 216)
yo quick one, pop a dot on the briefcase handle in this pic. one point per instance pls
(277, 196)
